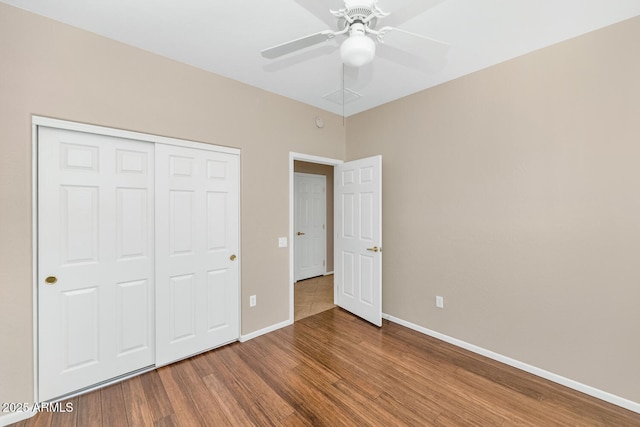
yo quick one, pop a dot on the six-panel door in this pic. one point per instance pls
(358, 242)
(309, 225)
(197, 243)
(96, 259)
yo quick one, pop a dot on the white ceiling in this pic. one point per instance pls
(226, 36)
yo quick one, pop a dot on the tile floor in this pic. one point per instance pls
(312, 296)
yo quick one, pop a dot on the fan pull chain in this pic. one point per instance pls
(343, 94)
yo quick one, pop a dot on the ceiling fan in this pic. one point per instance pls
(357, 20)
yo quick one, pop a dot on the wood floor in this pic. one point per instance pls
(334, 369)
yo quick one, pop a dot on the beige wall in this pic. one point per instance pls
(514, 193)
(50, 69)
(326, 170)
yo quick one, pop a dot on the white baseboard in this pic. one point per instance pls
(266, 330)
(15, 417)
(583, 388)
(328, 273)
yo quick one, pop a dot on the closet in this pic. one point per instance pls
(137, 253)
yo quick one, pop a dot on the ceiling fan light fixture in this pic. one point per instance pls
(357, 50)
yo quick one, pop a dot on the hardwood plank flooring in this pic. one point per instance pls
(334, 369)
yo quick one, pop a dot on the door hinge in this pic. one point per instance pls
(323, 262)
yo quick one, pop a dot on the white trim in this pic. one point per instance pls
(252, 335)
(306, 158)
(121, 133)
(15, 417)
(575, 385)
(328, 273)
(313, 159)
(34, 254)
(106, 383)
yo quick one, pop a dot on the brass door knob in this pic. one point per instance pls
(374, 249)
(51, 280)
(232, 257)
(300, 233)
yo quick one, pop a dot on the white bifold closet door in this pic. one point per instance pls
(197, 244)
(96, 259)
(137, 256)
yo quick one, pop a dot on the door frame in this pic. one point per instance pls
(305, 158)
(37, 121)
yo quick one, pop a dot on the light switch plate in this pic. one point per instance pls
(282, 242)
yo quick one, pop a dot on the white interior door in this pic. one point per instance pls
(358, 244)
(310, 225)
(95, 259)
(197, 273)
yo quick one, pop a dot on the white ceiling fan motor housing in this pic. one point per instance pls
(358, 49)
(357, 12)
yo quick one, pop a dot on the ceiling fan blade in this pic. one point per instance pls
(415, 44)
(402, 11)
(297, 44)
(320, 9)
(391, 30)
(319, 51)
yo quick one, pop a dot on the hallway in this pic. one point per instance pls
(312, 296)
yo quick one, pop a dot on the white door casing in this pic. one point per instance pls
(95, 225)
(197, 270)
(358, 242)
(310, 225)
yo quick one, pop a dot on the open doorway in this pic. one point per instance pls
(357, 235)
(312, 239)
(311, 273)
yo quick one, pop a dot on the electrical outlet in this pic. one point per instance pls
(439, 302)
(282, 242)
(252, 301)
